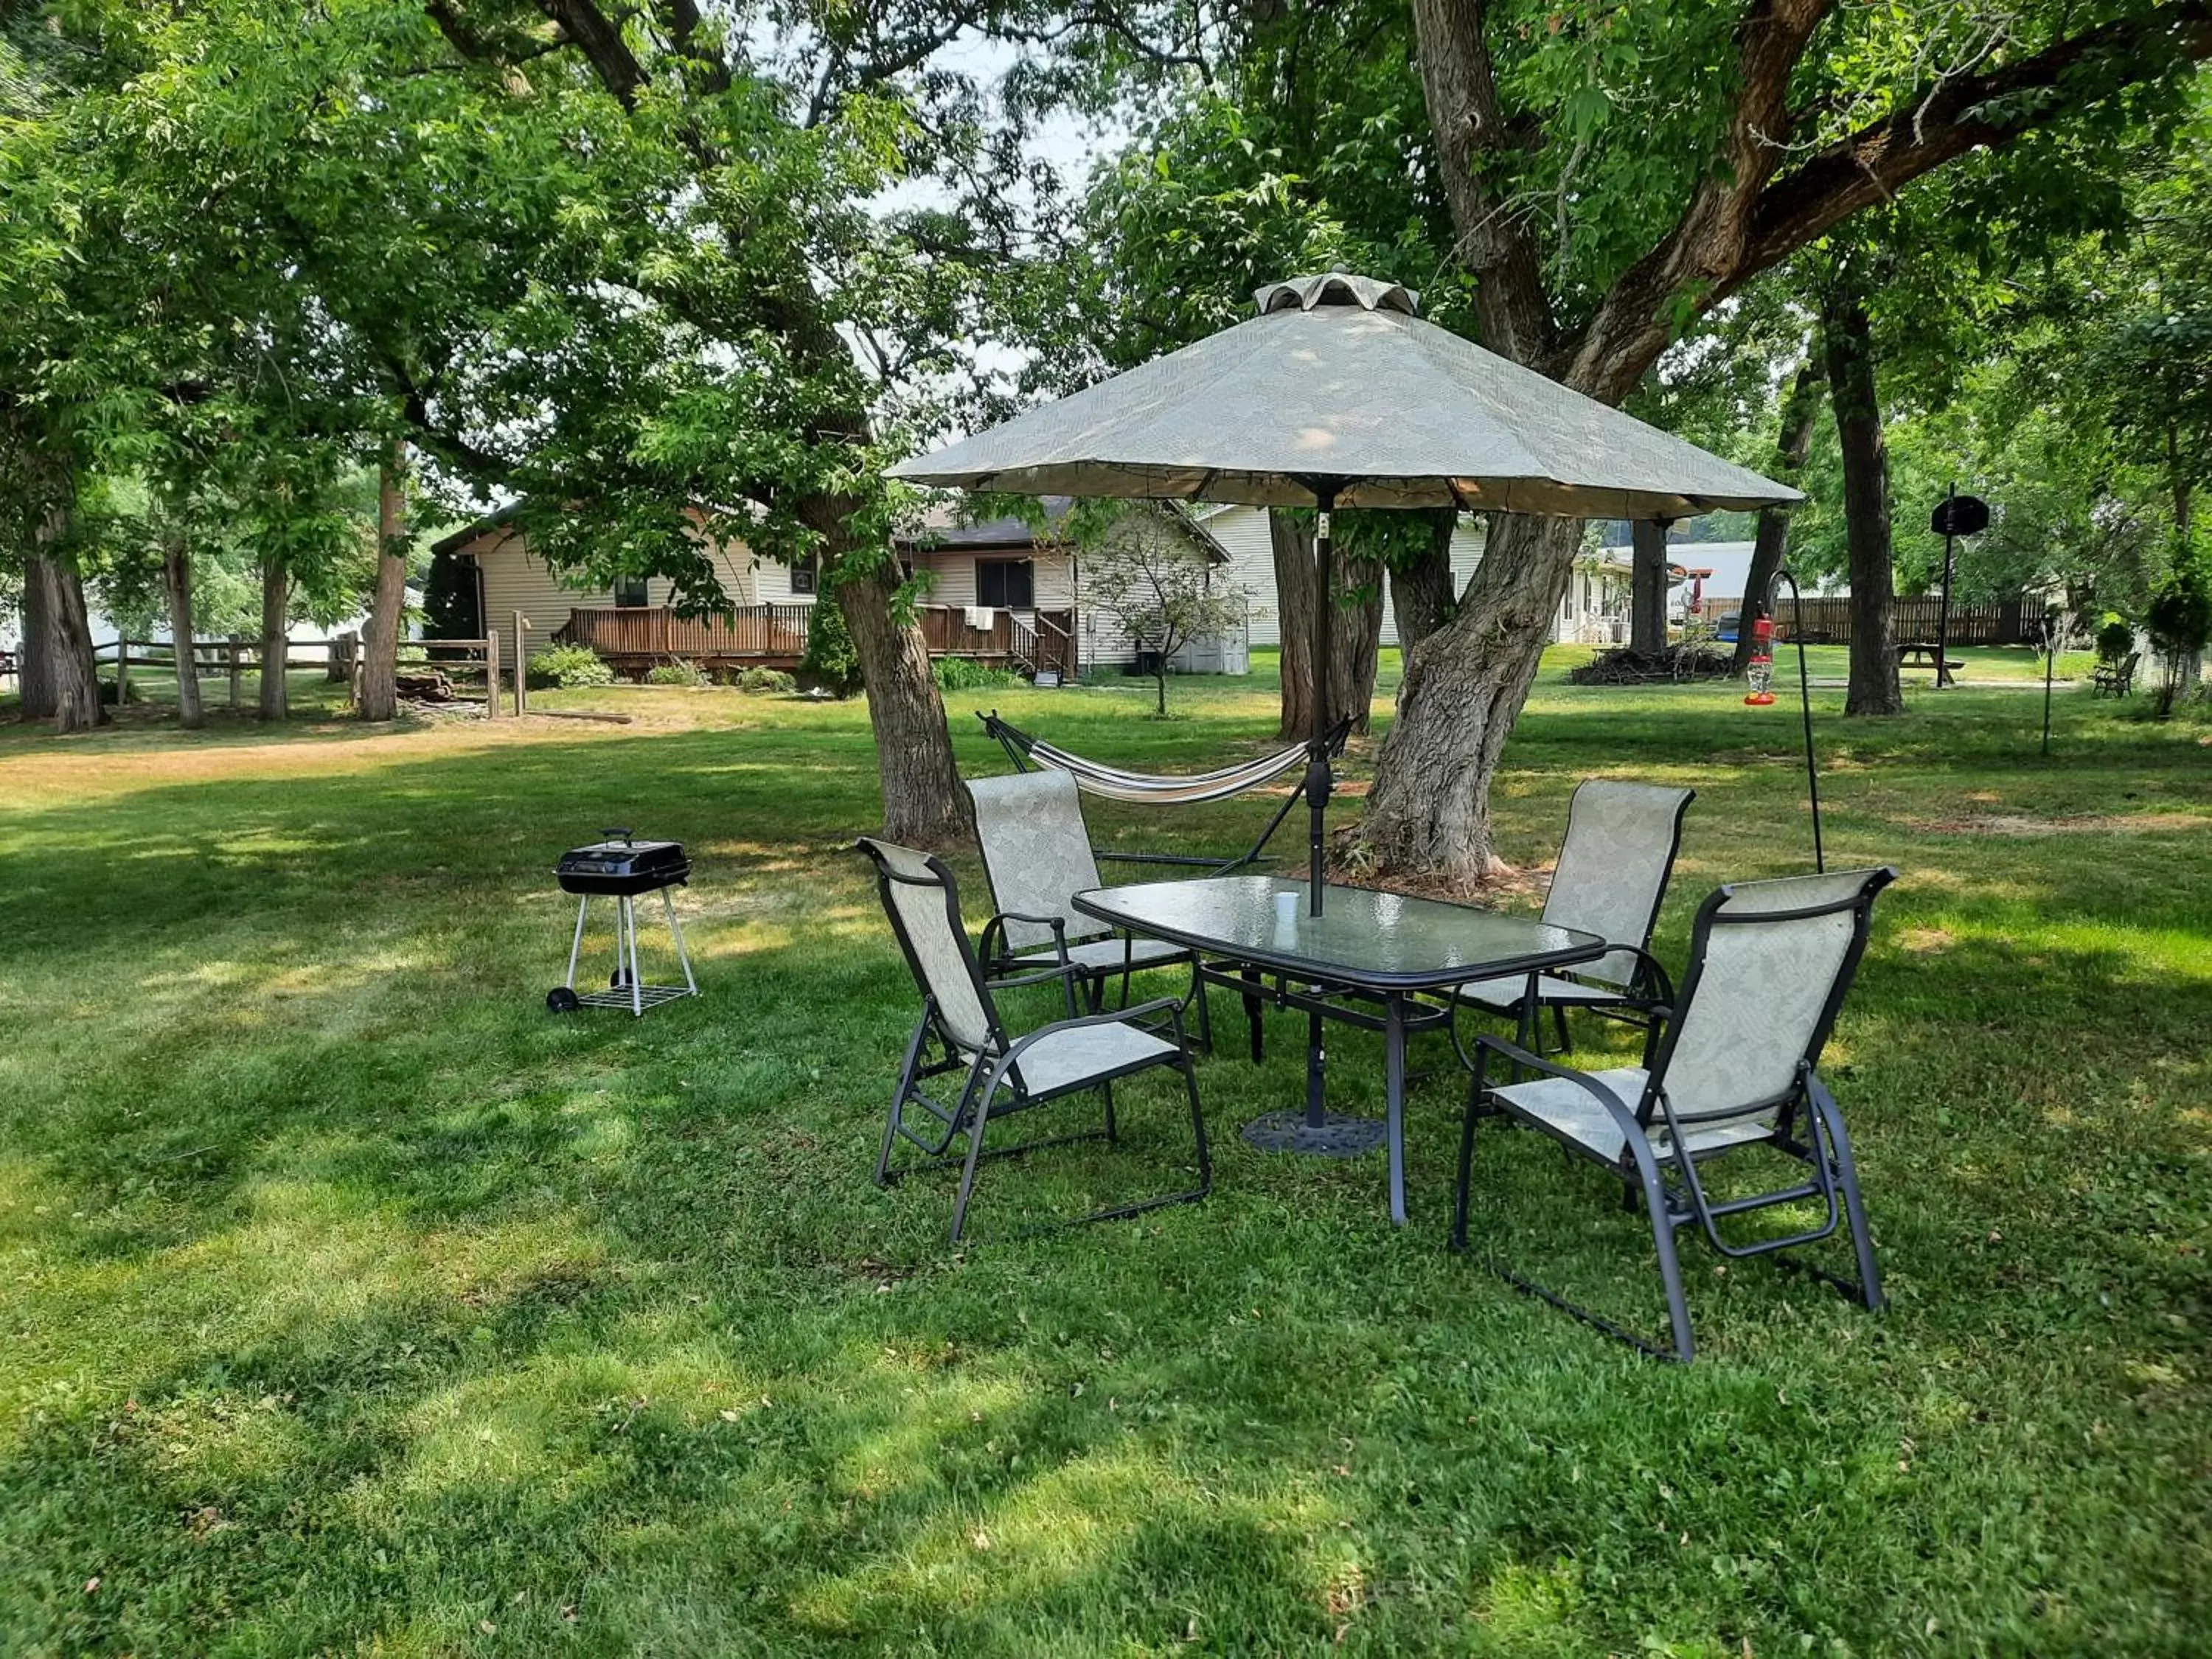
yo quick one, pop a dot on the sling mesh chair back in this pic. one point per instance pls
(989, 1073)
(1036, 853)
(1610, 877)
(1732, 1067)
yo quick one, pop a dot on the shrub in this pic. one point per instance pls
(569, 666)
(677, 673)
(962, 674)
(830, 659)
(2115, 636)
(766, 679)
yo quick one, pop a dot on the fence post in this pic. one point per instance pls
(491, 675)
(122, 672)
(237, 668)
(521, 664)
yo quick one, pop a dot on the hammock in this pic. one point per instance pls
(1156, 789)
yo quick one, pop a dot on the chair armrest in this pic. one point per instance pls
(1589, 1085)
(993, 948)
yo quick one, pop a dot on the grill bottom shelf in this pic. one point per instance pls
(648, 996)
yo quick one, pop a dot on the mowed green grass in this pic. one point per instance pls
(351, 1303)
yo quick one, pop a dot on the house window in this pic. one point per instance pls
(1005, 583)
(805, 573)
(629, 592)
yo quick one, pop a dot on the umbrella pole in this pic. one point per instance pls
(1319, 783)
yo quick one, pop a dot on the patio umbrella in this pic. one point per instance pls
(1339, 394)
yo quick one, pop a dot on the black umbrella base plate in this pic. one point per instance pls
(1335, 1136)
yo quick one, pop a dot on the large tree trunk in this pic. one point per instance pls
(1464, 683)
(35, 677)
(177, 578)
(380, 635)
(277, 637)
(1355, 628)
(1421, 589)
(1647, 589)
(65, 634)
(1801, 411)
(1848, 337)
(924, 805)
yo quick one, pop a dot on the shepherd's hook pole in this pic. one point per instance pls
(1805, 702)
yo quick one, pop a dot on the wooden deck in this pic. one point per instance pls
(774, 636)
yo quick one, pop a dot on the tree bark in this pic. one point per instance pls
(924, 805)
(1421, 590)
(36, 678)
(1647, 593)
(1464, 686)
(1801, 411)
(177, 579)
(276, 636)
(72, 677)
(380, 635)
(1848, 337)
(1355, 628)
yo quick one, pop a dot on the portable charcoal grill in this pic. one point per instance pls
(621, 870)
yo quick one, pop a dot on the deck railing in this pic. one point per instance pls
(772, 632)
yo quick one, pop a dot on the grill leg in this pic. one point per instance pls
(576, 945)
(636, 979)
(676, 932)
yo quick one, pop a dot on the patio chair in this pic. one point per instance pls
(960, 1033)
(1730, 1068)
(1038, 856)
(1612, 874)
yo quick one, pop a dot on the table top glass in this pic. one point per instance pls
(1387, 941)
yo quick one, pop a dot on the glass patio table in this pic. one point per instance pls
(1365, 948)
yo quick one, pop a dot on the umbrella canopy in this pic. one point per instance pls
(1338, 382)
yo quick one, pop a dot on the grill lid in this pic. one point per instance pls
(626, 860)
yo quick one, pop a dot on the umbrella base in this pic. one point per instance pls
(1335, 1136)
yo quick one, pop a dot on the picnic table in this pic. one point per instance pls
(1925, 653)
(1367, 948)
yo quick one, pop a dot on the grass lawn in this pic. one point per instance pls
(353, 1303)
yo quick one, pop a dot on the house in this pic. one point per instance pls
(1242, 533)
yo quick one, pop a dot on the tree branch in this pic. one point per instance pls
(1971, 112)
(599, 39)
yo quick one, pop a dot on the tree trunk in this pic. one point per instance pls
(177, 578)
(1801, 411)
(924, 805)
(65, 634)
(1421, 591)
(1355, 628)
(1848, 337)
(380, 635)
(36, 675)
(1647, 592)
(277, 637)
(1464, 683)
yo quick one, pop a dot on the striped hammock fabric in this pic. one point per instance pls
(1093, 777)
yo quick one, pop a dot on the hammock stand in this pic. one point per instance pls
(1029, 753)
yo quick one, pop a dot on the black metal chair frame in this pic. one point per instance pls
(2115, 678)
(1649, 993)
(1674, 1195)
(995, 1069)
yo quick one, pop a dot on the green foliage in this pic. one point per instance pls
(830, 659)
(966, 674)
(2116, 637)
(569, 667)
(677, 673)
(449, 600)
(765, 679)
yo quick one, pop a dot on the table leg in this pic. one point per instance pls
(1251, 977)
(1394, 1094)
(1316, 1072)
